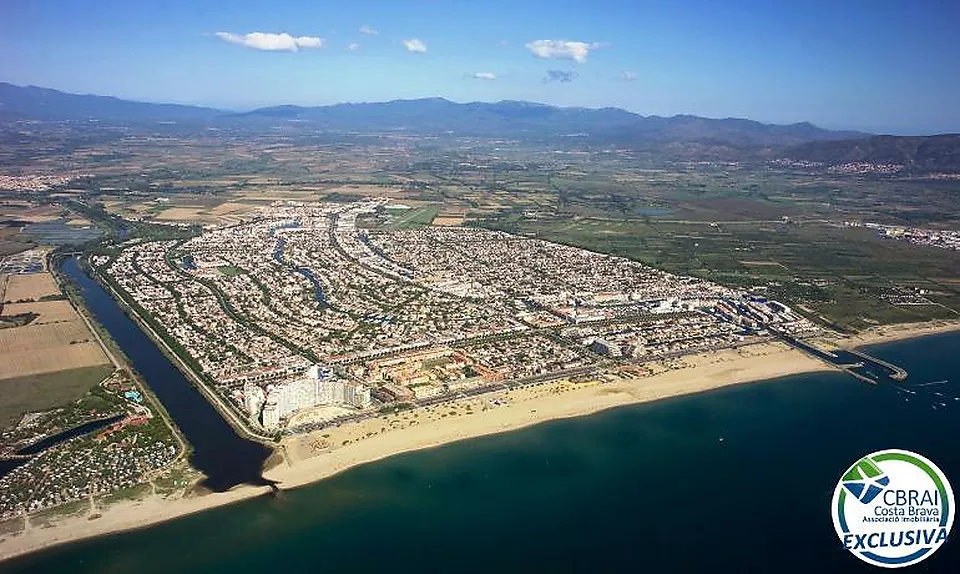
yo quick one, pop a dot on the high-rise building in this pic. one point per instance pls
(271, 414)
(253, 397)
(297, 394)
(356, 395)
(318, 386)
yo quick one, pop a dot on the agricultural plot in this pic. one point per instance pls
(27, 287)
(417, 217)
(48, 311)
(40, 392)
(46, 348)
(449, 218)
(38, 356)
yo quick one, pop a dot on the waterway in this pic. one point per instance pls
(305, 271)
(53, 440)
(225, 458)
(7, 465)
(647, 487)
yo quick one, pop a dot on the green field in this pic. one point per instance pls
(20, 395)
(230, 270)
(417, 217)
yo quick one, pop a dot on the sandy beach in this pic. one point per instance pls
(890, 333)
(117, 517)
(312, 457)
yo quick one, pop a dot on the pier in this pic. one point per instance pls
(899, 373)
(858, 364)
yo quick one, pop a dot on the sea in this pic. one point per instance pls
(734, 480)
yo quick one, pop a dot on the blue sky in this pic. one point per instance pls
(876, 65)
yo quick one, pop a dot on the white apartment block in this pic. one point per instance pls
(317, 387)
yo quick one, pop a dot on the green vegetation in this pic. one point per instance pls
(51, 515)
(116, 226)
(136, 492)
(18, 320)
(417, 217)
(395, 408)
(230, 270)
(33, 393)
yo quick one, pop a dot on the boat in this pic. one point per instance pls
(933, 383)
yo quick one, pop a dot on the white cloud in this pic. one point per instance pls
(416, 46)
(563, 49)
(272, 42)
(628, 76)
(483, 76)
(368, 30)
(309, 42)
(353, 47)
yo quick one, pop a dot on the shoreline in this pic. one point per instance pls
(882, 334)
(312, 457)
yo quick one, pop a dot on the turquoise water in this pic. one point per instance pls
(640, 488)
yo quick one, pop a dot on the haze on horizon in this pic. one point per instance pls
(878, 66)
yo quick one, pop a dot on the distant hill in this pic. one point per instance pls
(437, 115)
(35, 103)
(517, 119)
(940, 153)
(504, 119)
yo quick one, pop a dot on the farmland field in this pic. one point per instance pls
(415, 218)
(48, 311)
(28, 287)
(46, 348)
(55, 339)
(40, 392)
(50, 360)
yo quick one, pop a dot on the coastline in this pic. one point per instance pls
(891, 333)
(312, 457)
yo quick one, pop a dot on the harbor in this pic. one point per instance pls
(858, 364)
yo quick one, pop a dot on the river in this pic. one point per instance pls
(224, 457)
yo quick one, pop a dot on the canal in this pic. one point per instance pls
(22, 456)
(44, 444)
(224, 457)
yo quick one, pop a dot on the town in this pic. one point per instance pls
(315, 313)
(942, 238)
(115, 443)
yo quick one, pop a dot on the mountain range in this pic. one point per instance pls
(423, 116)
(45, 104)
(698, 136)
